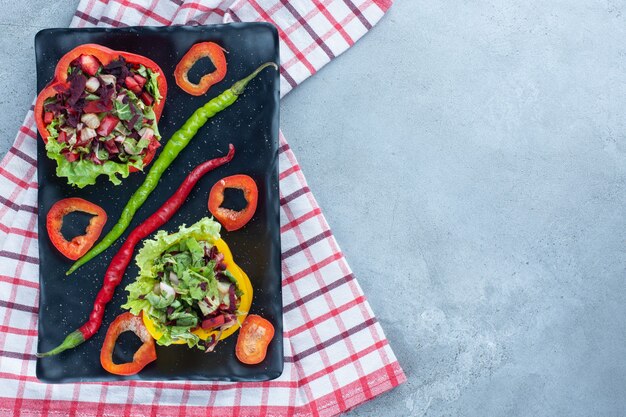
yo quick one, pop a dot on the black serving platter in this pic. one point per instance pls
(251, 124)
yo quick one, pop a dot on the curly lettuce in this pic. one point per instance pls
(84, 172)
(182, 255)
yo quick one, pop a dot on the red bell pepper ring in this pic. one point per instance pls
(200, 50)
(233, 220)
(254, 337)
(104, 56)
(79, 245)
(144, 355)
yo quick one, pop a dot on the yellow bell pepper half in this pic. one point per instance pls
(244, 284)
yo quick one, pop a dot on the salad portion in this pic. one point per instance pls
(101, 117)
(189, 289)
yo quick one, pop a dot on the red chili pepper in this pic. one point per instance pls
(255, 335)
(209, 50)
(90, 56)
(79, 245)
(231, 219)
(115, 272)
(145, 354)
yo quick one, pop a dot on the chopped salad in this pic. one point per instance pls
(184, 285)
(102, 120)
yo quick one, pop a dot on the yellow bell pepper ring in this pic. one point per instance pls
(244, 285)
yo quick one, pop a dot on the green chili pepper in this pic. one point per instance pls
(170, 151)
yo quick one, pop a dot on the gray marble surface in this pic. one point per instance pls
(471, 159)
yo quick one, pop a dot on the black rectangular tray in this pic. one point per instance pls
(251, 124)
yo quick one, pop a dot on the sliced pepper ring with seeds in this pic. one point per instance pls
(229, 218)
(201, 50)
(144, 355)
(79, 245)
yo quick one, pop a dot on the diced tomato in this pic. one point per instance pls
(48, 117)
(140, 80)
(107, 125)
(146, 98)
(154, 144)
(98, 106)
(213, 322)
(89, 64)
(62, 137)
(70, 156)
(111, 146)
(132, 85)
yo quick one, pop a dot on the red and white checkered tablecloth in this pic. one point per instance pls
(336, 355)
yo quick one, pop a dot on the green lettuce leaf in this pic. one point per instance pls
(205, 229)
(84, 172)
(181, 254)
(52, 128)
(152, 85)
(123, 111)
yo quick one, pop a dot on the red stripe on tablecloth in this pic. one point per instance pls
(28, 132)
(113, 22)
(329, 342)
(18, 306)
(86, 17)
(335, 24)
(17, 355)
(19, 257)
(312, 268)
(294, 195)
(305, 299)
(45, 407)
(130, 398)
(326, 316)
(22, 156)
(308, 28)
(384, 4)
(358, 14)
(20, 183)
(19, 281)
(17, 231)
(298, 221)
(184, 400)
(346, 361)
(103, 396)
(202, 8)
(288, 172)
(285, 39)
(146, 12)
(144, 17)
(17, 207)
(306, 244)
(20, 332)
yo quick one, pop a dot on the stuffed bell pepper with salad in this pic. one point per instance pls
(99, 114)
(189, 289)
